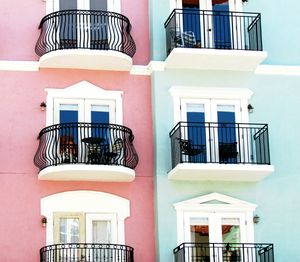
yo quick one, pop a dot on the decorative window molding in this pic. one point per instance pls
(214, 204)
(83, 90)
(194, 92)
(85, 202)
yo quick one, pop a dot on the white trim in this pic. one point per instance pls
(112, 5)
(278, 70)
(140, 70)
(85, 202)
(214, 205)
(83, 90)
(19, 66)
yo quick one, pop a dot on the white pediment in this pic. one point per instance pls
(214, 201)
(84, 89)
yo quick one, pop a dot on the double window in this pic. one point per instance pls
(85, 228)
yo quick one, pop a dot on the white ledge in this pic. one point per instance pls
(86, 59)
(82, 172)
(214, 59)
(220, 172)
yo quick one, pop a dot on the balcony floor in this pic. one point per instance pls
(220, 172)
(82, 172)
(86, 59)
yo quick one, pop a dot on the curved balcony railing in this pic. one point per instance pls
(224, 143)
(86, 143)
(223, 252)
(85, 29)
(83, 252)
(194, 28)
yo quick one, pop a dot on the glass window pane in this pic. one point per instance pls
(68, 113)
(100, 114)
(101, 231)
(231, 230)
(69, 230)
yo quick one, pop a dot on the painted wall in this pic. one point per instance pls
(20, 221)
(19, 28)
(281, 33)
(275, 101)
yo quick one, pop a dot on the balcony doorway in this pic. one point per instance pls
(211, 24)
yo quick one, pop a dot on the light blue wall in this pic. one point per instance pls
(276, 102)
(280, 28)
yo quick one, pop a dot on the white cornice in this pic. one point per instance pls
(278, 70)
(19, 66)
(153, 66)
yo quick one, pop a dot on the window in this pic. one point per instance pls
(85, 228)
(104, 5)
(215, 218)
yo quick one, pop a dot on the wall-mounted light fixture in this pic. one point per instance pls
(43, 106)
(256, 219)
(44, 221)
(250, 108)
(245, 1)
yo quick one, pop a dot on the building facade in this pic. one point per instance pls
(225, 89)
(77, 157)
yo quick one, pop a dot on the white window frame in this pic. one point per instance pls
(89, 218)
(88, 202)
(79, 91)
(112, 5)
(214, 206)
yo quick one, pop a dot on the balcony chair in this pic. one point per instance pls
(114, 154)
(228, 152)
(68, 149)
(187, 148)
(182, 39)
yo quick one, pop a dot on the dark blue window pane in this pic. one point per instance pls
(191, 23)
(196, 135)
(101, 131)
(221, 26)
(227, 137)
(100, 117)
(69, 131)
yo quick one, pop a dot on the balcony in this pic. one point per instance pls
(213, 40)
(220, 151)
(86, 152)
(85, 39)
(83, 252)
(213, 252)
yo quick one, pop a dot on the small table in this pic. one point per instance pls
(95, 149)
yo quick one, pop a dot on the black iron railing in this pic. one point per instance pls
(194, 28)
(86, 253)
(86, 143)
(225, 252)
(85, 29)
(228, 143)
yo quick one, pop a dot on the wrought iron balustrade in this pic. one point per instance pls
(83, 252)
(224, 252)
(227, 143)
(85, 29)
(86, 143)
(194, 28)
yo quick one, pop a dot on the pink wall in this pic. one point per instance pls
(21, 232)
(19, 30)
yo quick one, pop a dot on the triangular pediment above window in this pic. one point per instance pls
(84, 89)
(214, 201)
